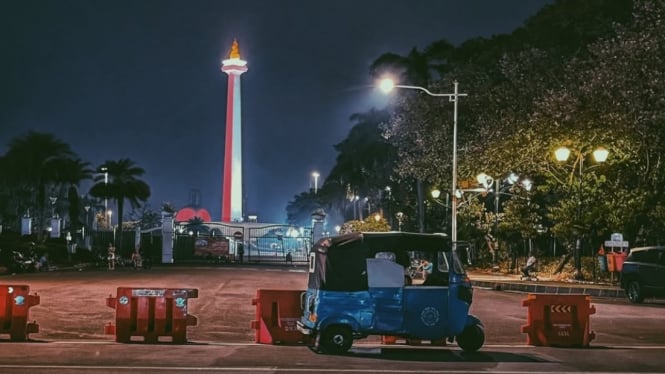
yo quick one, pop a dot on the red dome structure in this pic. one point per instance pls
(193, 210)
(190, 212)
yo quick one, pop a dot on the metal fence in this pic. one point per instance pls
(270, 243)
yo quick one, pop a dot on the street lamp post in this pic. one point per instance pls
(400, 217)
(387, 85)
(600, 155)
(53, 199)
(110, 221)
(436, 193)
(105, 170)
(316, 181)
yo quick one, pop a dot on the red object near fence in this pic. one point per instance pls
(611, 262)
(619, 258)
(15, 303)
(277, 312)
(558, 320)
(151, 313)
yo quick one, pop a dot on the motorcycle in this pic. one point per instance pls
(20, 263)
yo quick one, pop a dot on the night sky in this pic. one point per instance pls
(141, 79)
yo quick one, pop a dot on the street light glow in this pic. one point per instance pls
(601, 154)
(316, 175)
(562, 154)
(528, 184)
(436, 193)
(386, 85)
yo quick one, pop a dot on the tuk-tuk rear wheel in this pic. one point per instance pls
(472, 338)
(336, 339)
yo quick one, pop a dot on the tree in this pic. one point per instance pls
(196, 226)
(364, 165)
(368, 225)
(123, 184)
(34, 164)
(299, 210)
(70, 173)
(146, 217)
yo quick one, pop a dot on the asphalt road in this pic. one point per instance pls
(72, 314)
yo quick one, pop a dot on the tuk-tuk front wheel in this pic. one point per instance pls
(336, 339)
(472, 338)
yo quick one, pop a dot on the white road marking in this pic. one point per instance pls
(273, 369)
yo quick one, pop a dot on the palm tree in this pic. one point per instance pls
(34, 163)
(123, 184)
(70, 173)
(197, 226)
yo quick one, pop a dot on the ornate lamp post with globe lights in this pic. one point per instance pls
(562, 154)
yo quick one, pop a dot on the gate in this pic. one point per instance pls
(280, 243)
(219, 242)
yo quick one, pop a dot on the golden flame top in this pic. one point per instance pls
(235, 51)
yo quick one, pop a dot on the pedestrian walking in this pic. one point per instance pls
(241, 252)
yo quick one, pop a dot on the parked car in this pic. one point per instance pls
(643, 273)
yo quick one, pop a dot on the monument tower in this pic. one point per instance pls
(232, 195)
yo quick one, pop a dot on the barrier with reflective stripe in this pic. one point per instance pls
(277, 312)
(558, 320)
(15, 303)
(151, 313)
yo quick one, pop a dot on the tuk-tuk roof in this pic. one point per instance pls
(340, 262)
(393, 240)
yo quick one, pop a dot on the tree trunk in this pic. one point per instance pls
(563, 262)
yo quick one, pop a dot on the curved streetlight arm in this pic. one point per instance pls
(452, 96)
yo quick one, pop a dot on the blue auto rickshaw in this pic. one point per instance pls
(359, 285)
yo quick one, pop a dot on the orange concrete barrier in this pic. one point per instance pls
(15, 303)
(277, 312)
(151, 313)
(558, 320)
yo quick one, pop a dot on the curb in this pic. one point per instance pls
(615, 293)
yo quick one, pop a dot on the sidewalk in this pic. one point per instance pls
(512, 282)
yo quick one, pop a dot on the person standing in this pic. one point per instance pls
(137, 260)
(111, 256)
(241, 252)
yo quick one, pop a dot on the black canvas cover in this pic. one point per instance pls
(339, 263)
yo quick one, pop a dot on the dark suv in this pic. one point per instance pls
(643, 273)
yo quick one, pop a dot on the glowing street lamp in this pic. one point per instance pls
(105, 170)
(110, 214)
(316, 181)
(512, 179)
(600, 154)
(387, 85)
